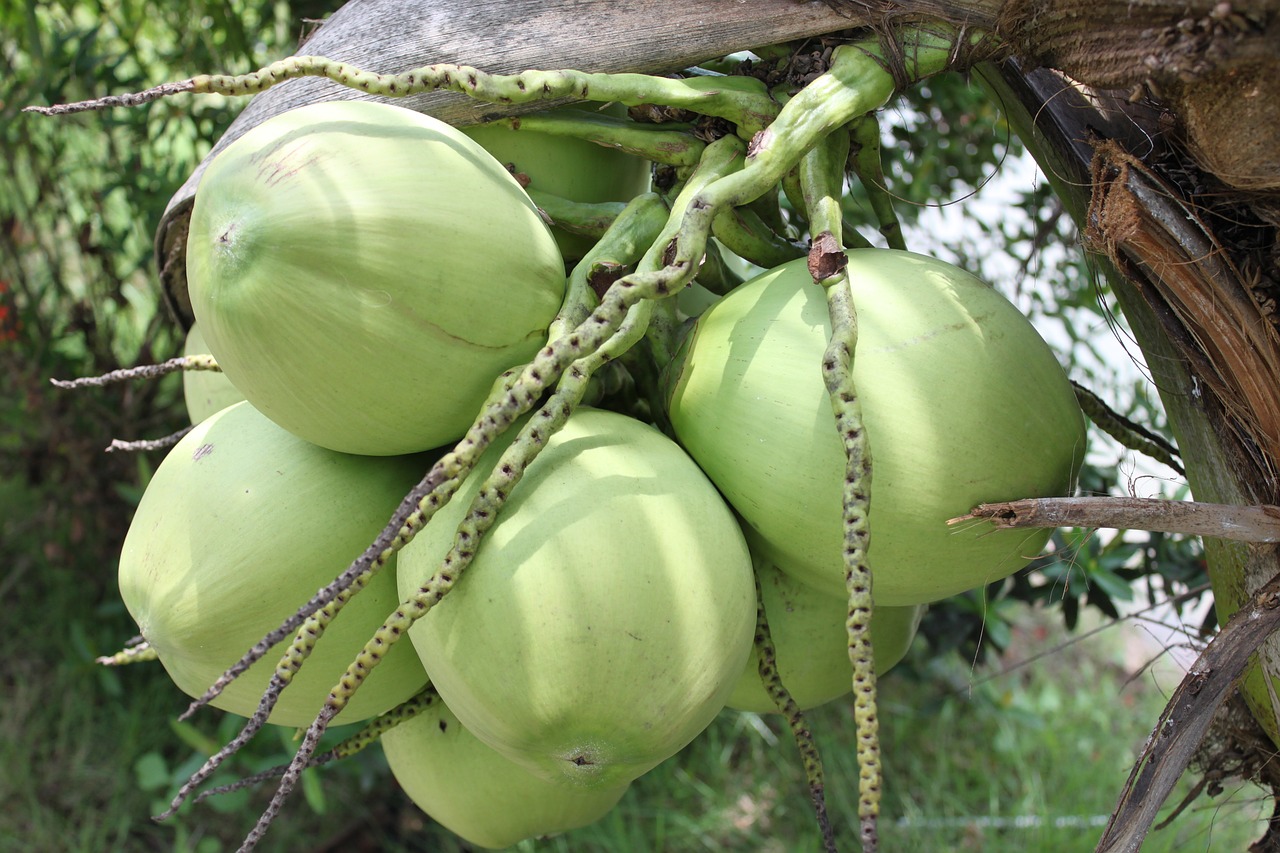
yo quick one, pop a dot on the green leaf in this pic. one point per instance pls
(151, 772)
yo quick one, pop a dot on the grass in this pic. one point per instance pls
(1032, 759)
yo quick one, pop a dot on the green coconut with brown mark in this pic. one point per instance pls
(362, 272)
(476, 792)
(962, 400)
(240, 525)
(607, 613)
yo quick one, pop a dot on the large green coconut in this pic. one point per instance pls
(607, 614)
(476, 792)
(362, 272)
(963, 403)
(205, 391)
(811, 643)
(240, 525)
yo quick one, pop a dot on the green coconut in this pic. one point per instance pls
(477, 793)
(362, 272)
(205, 391)
(240, 525)
(811, 642)
(607, 614)
(570, 168)
(962, 401)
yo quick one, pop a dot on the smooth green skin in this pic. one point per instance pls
(570, 168)
(361, 272)
(242, 523)
(476, 792)
(607, 614)
(962, 401)
(205, 391)
(811, 643)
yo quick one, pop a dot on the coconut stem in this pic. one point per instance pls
(767, 656)
(744, 233)
(742, 101)
(821, 179)
(625, 242)
(658, 144)
(864, 158)
(354, 744)
(146, 444)
(134, 653)
(716, 275)
(1127, 432)
(590, 219)
(146, 371)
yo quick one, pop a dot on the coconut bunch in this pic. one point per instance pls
(657, 397)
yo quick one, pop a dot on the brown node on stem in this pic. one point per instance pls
(826, 257)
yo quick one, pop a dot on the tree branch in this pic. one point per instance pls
(1224, 521)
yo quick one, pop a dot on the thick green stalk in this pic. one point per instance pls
(1129, 434)
(865, 159)
(590, 219)
(745, 234)
(822, 180)
(657, 143)
(630, 235)
(740, 100)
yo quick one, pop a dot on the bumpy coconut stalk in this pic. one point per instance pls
(811, 642)
(765, 658)
(822, 182)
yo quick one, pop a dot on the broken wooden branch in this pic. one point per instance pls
(1239, 523)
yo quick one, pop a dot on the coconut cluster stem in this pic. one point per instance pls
(146, 371)
(356, 743)
(864, 157)
(1127, 432)
(743, 101)
(767, 656)
(663, 144)
(822, 178)
(744, 233)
